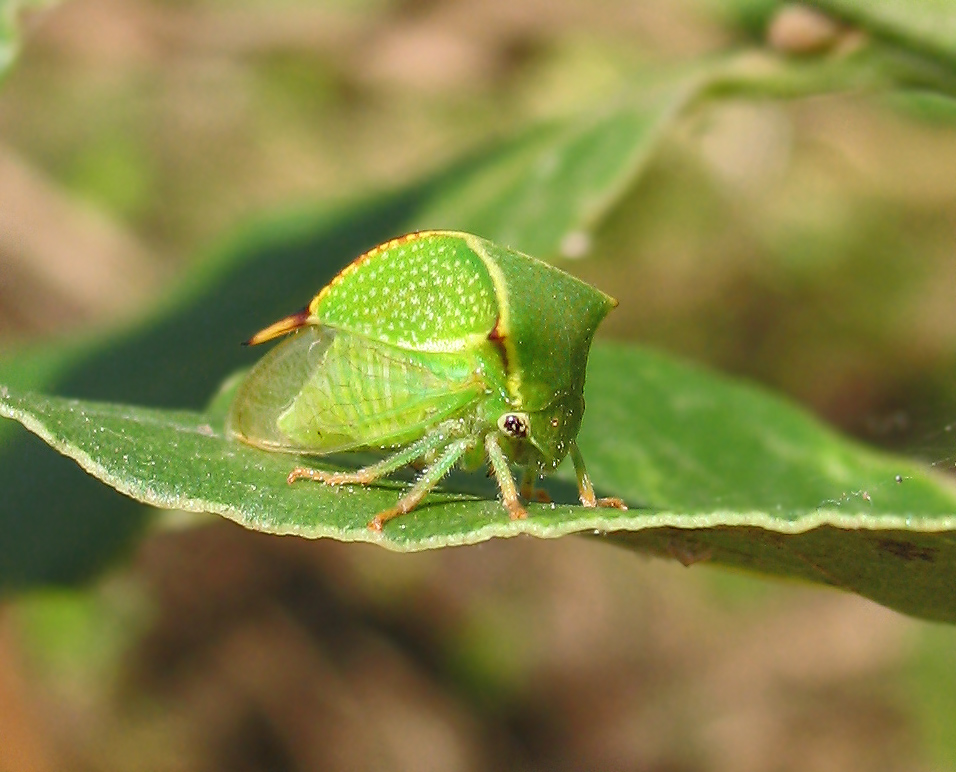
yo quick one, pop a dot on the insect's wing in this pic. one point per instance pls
(325, 390)
(271, 387)
(366, 393)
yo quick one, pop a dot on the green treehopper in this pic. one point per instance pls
(444, 349)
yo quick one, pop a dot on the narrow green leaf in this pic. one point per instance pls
(713, 470)
(925, 27)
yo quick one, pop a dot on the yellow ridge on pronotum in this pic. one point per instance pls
(301, 318)
(374, 252)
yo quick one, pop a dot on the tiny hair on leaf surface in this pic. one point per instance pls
(714, 470)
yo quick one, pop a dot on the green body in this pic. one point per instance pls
(435, 332)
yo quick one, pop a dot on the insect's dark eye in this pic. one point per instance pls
(514, 425)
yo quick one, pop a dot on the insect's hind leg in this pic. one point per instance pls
(431, 441)
(429, 479)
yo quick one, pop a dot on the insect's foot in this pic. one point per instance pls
(611, 501)
(402, 507)
(329, 478)
(304, 473)
(298, 473)
(376, 523)
(530, 493)
(516, 511)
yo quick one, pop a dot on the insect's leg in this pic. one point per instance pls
(434, 439)
(429, 479)
(585, 488)
(499, 464)
(529, 492)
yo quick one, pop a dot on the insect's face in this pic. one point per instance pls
(541, 439)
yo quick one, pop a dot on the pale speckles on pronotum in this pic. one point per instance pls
(426, 289)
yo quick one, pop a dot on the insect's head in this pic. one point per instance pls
(542, 438)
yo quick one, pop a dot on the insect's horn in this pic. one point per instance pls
(288, 324)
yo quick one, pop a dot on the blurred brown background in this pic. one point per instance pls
(808, 245)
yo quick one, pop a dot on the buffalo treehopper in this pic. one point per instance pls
(442, 349)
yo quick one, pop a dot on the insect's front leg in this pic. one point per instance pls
(499, 465)
(585, 488)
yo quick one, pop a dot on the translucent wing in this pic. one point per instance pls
(325, 390)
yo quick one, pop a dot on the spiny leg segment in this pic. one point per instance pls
(429, 479)
(585, 488)
(434, 439)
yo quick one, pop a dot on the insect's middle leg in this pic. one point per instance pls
(529, 492)
(434, 439)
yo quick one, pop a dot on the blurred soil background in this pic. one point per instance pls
(807, 245)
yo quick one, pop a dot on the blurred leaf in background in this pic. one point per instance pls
(10, 11)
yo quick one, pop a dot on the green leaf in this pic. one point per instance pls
(713, 469)
(926, 27)
(530, 192)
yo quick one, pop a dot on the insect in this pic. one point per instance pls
(442, 348)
